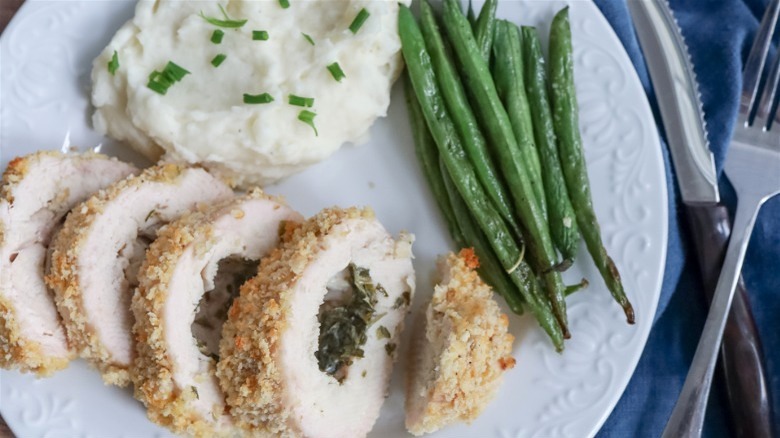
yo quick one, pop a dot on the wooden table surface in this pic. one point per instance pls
(7, 10)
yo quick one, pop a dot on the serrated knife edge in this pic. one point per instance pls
(678, 97)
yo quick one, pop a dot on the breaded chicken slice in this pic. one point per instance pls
(191, 275)
(309, 344)
(457, 366)
(96, 256)
(38, 190)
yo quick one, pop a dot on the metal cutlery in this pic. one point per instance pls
(678, 99)
(753, 167)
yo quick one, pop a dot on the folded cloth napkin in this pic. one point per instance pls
(719, 34)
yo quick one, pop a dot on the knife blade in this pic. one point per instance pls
(679, 101)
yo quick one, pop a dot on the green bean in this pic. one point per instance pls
(495, 122)
(583, 284)
(428, 156)
(566, 118)
(489, 267)
(463, 117)
(459, 168)
(508, 74)
(471, 17)
(563, 224)
(486, 27)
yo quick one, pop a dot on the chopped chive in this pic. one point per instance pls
(307, 117)
(308, 38)
(260, 35)
(336, 71)
(160, 81)
(161, 78)
(218, 59)
(227, 22)
(284, 4)
(176, 72)
(157, 87)
(255, 99)
(306, 102)
(113, 65)
(216, 37)
(357, 23)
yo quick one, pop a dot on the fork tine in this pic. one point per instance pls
(764, 116)
(756, 61)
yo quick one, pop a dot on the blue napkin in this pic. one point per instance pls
(719, 34)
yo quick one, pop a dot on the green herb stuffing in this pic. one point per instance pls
(343, 326)
(195, 390)
(227, 22)
(390, 348)
(113, 65)
(284, 4)
(403, 300)
(308, 38)
(382, 332)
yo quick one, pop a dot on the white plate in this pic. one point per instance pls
(45, 62)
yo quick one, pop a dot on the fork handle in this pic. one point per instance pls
(741, 354)
(687, 417)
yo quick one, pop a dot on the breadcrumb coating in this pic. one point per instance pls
(248, 371)
(16, 351)
(64, 275)
(468, 349)
(153, 370)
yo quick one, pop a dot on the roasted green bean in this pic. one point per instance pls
(463, 117)
(428, 156)
(458, 166)
(508, 74)
(566, 120)
(489, 267)
(485, 28)
(563, 224)
(479, 83)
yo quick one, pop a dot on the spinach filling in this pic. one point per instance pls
(344, 323)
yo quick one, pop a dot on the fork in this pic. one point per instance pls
(753, 167)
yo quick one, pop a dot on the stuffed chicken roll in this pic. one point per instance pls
(38, 190)
(96, 256)
(309, 344)
(188, 281)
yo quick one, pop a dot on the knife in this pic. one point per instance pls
(678, 98)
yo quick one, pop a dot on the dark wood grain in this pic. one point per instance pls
(741, 356)
(7, 10)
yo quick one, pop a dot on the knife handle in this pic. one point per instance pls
(741, 353)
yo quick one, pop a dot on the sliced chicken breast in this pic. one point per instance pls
(37, 191)
(96, 256)
(190, 276)
(309, 344)
(456, 368)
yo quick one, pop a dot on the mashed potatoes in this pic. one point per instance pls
(203, 118)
